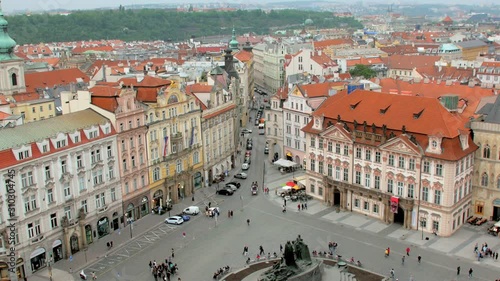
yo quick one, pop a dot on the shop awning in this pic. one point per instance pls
(285, 163)
(289, 154)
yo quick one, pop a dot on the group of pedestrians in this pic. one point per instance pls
(165, 270)
(484, 251)
(261, 254)
(302, 206)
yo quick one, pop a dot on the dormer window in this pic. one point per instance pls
(23, 154)
(61, 143)
(434, 144)
(93, 134)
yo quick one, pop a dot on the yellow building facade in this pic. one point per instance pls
(174, 146)
(35, 110)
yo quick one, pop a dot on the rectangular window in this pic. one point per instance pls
(346, 174)
(312, 188)
(435, 226)
(330, 146)
(67, 212)
(110, 151)
(368, 155)
(401, 162)
(53, 220)
(401, 187)
(346, 150)
(67, 190)
(320, 143)
(377, 157)
(427, 167)
(358, 152)
(81, 184)
(313, 142)
(439, 170)
(111, 172)
(330, 170)
(337, 173)
(100, 201)
(411, 188)
(390, 185)
(313, 165)
(367, 180)
(391, 160)
(356, 203)
(79, 163)
(320, 167)
(84, 206)
(320, 191)
(366, 206)
(377, 182)
(63, 167)
(375, 208)
(425, 194)
(50, 196)
(113, 194)
(437, 197)
(337, 148)
(358, 177)
(411, 165)
(47, 173)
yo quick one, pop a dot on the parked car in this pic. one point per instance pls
(257, 122)
(247, 160)
(240, 176)
(248, 153)
(249, 147)
(174, 220)
(231, 186)
(238, 185)
(246, 131)
(225, 192)
(245, 166)
(212, 211)
(184, 217)
(266, 150)
(192, 210)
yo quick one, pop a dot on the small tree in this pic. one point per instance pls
(363, 70)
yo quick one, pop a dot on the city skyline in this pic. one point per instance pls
(39, 5)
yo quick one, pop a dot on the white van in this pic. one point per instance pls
(191, 210)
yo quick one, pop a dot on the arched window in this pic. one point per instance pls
(484, 179)
(486, 152)
(13, 77)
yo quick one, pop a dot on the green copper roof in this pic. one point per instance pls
(7, 44)
(233, 44)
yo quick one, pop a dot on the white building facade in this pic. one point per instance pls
(64, 173)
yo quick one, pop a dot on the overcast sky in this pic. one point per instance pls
(46, 5)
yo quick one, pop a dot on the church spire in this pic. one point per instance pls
(233, 44)
(7, 44)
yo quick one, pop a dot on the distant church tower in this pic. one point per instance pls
(233, 44)
(11, 66)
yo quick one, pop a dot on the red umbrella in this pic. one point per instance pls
(291, 184)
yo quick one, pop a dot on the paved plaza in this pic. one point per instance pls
(209, 244)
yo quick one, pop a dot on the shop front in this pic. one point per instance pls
(144, 206)
(181, 192)
(197, 180)
(103, 227)
(88, 234)
(116, 221)
(130, 212)
(73, 242)
(38, 259)
(5, 273)
(57, 251)
(158, 199)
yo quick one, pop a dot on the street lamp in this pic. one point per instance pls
(50, 268)
(130, 221)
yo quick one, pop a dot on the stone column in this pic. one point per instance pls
(66, 242)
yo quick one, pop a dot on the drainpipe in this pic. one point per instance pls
(352, 163)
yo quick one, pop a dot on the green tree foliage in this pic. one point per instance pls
(363, 70)
(156, 24)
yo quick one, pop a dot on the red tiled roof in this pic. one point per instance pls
(323, 60)
(81, 50)
(396, 111)
(446, 72)
(53, 78)
(410, 62)
(364, 61)
(282, 93)
(54, 62)
(345, 76)
(447, 19)
(22, 97)
(198, 88)
(400, 50)
(216, 49)
(21, 55)
(244, 56)
(318, 45)
(4, 115)
(148, 81)
(318, 90)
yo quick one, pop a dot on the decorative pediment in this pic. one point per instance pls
(98, 165)
(66, 177)
(437, 185)
(321, 158)
(312, 156)
(358, 167)
(367, 169)
(377, 172)
(410, 180)
(337, 132)
(345, 164)
(401, 145)
(390, 175)
(426, 183)
(329, 160)
(400, 177)
(50, 184)
(28, 190)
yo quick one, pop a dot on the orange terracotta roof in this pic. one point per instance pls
(318, 45)
(323, 60)
(446, 72)
(447, 19)
(318, 90)
(410, 62)
(81, 50)
(23, 97)
(282, 93)
(470, 95)
(104, 91)
(364, 61)
(244, 56)
(53, 78)
(198, 88)
(148, 82)
(54, 62)
(147, 94)
(400, 50)
(3, 100)
(396, 111)
(4, 115)
(491, 64)
(345, 76)
(21, 55)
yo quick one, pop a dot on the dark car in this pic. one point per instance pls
(235, 183)
(225, 192)
(247, 160)
(249, 147)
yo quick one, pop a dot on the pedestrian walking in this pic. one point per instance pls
(284, 202)
(403, 260)
(298, 207)
(150, 264)
(458, 270)
(94, 277)
(419, 258)
(392, 273)
(261, 250)
(172, 252)
(470, 272)
(496, 256)
(231, 213)
(281, 248)
(302, 206)
(408, 251)
(209, 204)
(284, 209)
(245, 250)
(248, 221)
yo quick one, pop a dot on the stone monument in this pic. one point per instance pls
(296, 261)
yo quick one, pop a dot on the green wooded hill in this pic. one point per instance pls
(156, 24)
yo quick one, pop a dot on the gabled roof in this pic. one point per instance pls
(105, 97)
(319, 45)
(446, 72)
(323, 60)
(471, 44)
(53, 78)
(244, 56)
(318, 90)
(146, 82)
(81, 50)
